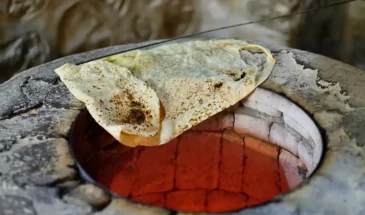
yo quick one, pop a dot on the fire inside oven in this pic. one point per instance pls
(219, 165)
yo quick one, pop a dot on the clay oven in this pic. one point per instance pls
(236, 159)
(307, 97)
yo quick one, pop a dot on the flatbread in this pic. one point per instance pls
(176, 86)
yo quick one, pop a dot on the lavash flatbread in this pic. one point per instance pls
(176, 86)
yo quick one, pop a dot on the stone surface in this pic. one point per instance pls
(33, 142)
(47, 178)
(36, 159)
(91, 195)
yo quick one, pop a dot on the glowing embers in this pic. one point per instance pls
(215, 167)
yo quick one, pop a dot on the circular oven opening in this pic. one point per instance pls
(239, 158)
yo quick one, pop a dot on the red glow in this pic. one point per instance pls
(198, 172)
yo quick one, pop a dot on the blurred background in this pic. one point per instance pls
(36, 31)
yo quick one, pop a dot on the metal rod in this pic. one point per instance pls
(231, 26)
